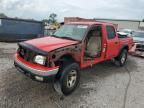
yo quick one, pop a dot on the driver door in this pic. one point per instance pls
(93, 46)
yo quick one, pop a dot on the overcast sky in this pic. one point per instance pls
(40, 9)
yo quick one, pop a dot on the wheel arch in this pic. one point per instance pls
(124, 47)
(66, 58)
(63, 61)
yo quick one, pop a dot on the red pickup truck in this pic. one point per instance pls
(74, 46)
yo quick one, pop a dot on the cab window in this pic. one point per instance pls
(110, 32)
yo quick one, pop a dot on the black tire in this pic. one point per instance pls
(65, 72)
(121, 59)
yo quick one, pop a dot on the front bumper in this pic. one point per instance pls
(38, 74)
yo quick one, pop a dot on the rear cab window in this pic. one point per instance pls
(111, 34)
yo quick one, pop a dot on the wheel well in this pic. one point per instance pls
(125, 47)
(65, 58)
(62, 62)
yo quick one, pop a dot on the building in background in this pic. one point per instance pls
(122, 24)
(15, 29)
(141, 27)
(74, 19)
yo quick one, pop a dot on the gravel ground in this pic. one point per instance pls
(103, 86)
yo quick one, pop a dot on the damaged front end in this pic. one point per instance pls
(33, 62)
(42, 65)
(72, 52)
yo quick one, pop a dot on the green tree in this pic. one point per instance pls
(143, 20)
(52, 18)
(2, 15)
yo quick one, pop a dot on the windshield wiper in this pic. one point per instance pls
(55, 36)
(64, 37)
(68, 38)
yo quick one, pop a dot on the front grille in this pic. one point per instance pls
(26, 54)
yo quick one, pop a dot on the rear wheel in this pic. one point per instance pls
(121, 59)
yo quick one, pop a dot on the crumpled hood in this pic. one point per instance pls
(50, 43)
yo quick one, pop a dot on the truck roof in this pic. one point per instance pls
(91, 23)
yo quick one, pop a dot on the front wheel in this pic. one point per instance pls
(121, 59)
(69, 79)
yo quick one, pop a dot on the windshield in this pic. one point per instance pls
(75, 32)
(138, 34)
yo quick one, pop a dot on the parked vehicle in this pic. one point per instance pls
(127, 31)
(138, 37)
(74, 46)
(48, 32)
(122, 34)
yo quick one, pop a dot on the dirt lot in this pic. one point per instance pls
(103, 86)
